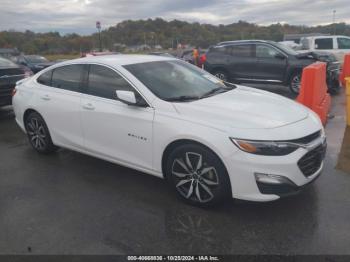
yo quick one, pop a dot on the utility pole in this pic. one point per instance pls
(334, 25)
(98, 26)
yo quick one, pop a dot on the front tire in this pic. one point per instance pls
(222, 75)
(197, 175)
(38, 134)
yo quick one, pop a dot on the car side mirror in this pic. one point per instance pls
(129, 98)
(280, 56)
(23, 63)
(126, 97)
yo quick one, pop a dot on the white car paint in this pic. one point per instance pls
(137, 137)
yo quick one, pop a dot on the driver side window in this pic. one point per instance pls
(104, 82)
(263, 51)
(343, 43)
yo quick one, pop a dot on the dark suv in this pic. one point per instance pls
(10, 73)
(257, 61)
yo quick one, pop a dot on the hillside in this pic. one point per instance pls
(154, 32)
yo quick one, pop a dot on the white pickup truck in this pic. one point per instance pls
(336, 44)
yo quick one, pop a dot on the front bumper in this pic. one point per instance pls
(284, 189)
(244, 167)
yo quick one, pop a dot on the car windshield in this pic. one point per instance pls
(286, 49)
(6, 63)
(177, 81)
(35, 59)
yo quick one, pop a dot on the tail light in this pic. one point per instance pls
(14, 91)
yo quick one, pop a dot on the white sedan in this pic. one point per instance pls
(211, 140)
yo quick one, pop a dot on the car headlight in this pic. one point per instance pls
(266, 148)
(323, 133)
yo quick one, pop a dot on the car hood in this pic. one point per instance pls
(243, 108)
(317, 55)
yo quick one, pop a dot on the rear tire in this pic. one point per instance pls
(295, 83)
(38, 134)
(198, 176)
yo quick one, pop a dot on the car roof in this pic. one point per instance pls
(119, 59)
(324, 36)
(244, 42)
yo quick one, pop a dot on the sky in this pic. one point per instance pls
(79, 16)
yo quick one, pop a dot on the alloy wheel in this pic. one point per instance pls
(36, 133)
(296, 83)
(194, 178)
(221, 76)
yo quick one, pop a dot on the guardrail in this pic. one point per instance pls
(313, 91)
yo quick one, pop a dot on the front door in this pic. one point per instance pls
(271, 63)
(111, 128)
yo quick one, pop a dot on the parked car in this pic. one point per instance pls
(170, 119)
(257, 61)
(336, 44)
(10, 73)
(98, 53)
(166, 54)
(34, 62)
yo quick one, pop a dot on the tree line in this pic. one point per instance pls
(155, 32)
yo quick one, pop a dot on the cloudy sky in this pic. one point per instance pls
(66, 16)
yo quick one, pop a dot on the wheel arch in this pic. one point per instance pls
(294, 71)
(179, 142)
(27, 112)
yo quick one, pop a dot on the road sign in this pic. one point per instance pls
(98, 25)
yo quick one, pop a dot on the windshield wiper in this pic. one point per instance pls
(182, 98)
(216, 90)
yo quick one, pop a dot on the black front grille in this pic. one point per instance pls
(306, 139)
(312, 160)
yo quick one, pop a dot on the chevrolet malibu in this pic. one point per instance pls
(210, 139)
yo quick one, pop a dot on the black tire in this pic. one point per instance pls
(295, 83)
(333, 86)
(38, 134)
(222, 74)
(200, 183)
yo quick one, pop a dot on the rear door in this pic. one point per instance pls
(113, 129)
(271, 63)
(325, 44)
(242, 63)
(58, 102)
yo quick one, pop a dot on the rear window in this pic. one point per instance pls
(6, 63)
(67, 77)
(220, 50)
(324, 43)
(242, 50)
(45, 78)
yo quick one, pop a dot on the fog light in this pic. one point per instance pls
(272, 179)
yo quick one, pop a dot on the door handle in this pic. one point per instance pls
(46, 97)
(88, 106)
